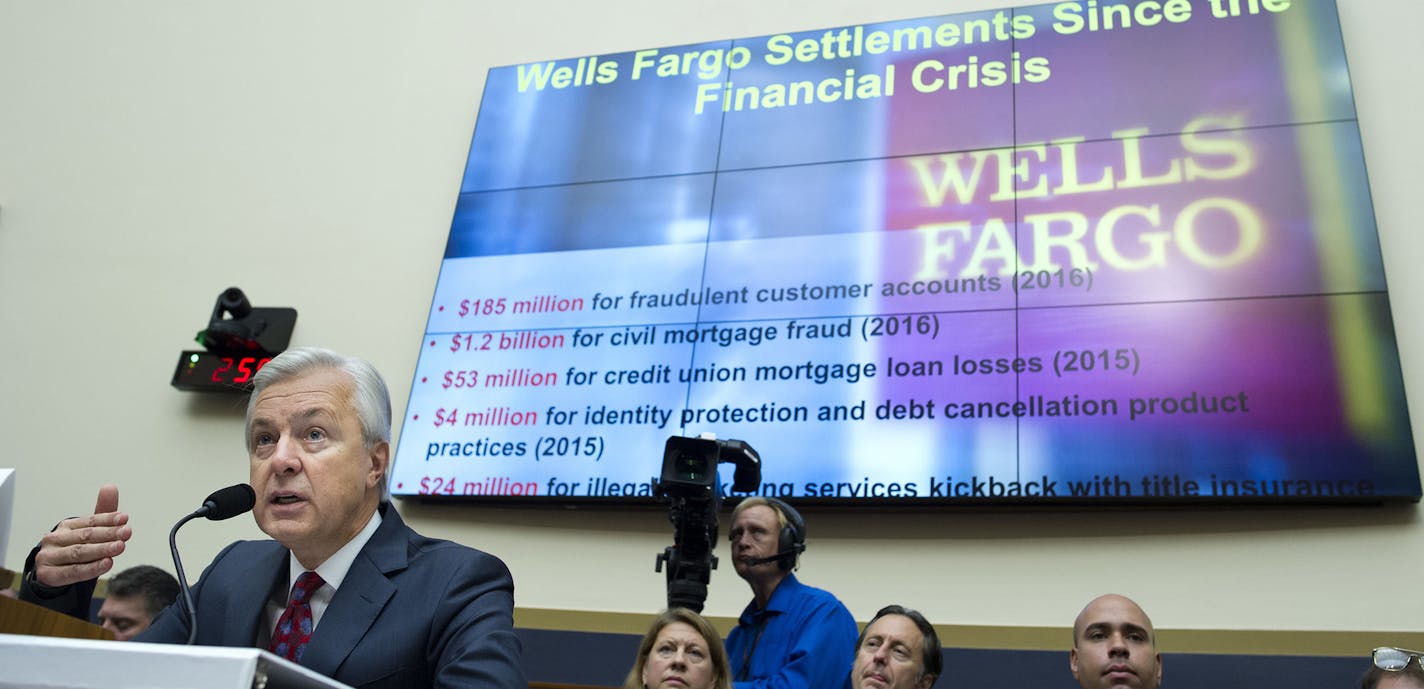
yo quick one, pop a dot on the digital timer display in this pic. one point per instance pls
(209, 371)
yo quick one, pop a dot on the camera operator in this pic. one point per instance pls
(791, 636)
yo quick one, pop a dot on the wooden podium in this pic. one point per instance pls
(19, 617)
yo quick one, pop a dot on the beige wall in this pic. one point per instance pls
(153, 153)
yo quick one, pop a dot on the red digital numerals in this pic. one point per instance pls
(239, 371)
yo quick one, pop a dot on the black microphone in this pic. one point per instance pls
(227, 503)
(224, 503)
(778, 556)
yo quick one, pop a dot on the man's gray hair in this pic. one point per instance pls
(369, 394)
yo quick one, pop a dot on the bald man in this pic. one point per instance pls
(1114, 646)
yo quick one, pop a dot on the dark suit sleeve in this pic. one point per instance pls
(475, 645)
(73, 600)
(171, 624)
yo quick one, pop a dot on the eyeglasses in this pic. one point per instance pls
(1392, 659)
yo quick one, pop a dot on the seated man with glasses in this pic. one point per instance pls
(1394, 668)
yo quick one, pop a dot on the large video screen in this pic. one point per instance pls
(1088, 252)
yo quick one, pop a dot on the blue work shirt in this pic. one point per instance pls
(804, 639)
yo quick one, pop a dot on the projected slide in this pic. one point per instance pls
(1076, 252)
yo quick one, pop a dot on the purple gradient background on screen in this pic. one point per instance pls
(621, 186)
(1161, 76)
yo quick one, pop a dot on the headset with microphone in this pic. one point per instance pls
(792, 540)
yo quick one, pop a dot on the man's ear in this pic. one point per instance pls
(1073, 661)
(380, 456)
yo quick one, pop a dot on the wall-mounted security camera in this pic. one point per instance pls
(239, 340)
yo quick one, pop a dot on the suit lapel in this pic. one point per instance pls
(362, 596)
(239, 626)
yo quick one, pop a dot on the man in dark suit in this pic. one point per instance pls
(372, 603)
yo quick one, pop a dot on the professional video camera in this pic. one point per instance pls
(689, 483)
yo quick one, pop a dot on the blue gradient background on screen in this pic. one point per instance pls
(1205, 178)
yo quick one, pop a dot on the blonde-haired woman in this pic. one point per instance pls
(680, 651)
